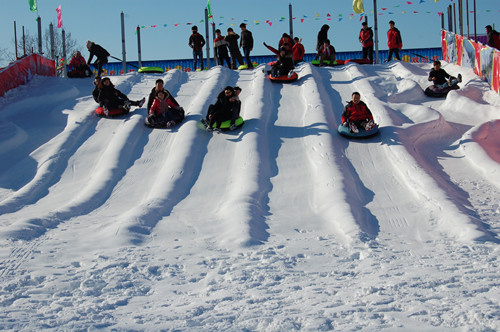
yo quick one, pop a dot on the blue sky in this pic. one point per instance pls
(99, 20)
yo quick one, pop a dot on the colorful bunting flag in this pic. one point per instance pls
(59, 17)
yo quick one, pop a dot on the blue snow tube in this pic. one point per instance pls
(345, 131)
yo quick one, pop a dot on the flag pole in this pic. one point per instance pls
(207, 34)
(375, 24)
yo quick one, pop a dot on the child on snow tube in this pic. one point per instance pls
(443, 82)
(164, 112)
(357, 114)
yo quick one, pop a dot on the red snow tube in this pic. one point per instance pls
(284, 78)
(359, 61)
(111, 113)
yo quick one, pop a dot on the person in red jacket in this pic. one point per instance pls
(78, 66)
(394, 41)
(356, 114)
(164, 112)
(366, 39)
(298, 50)
(287, 42)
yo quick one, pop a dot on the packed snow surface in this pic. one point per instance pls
(282, 225)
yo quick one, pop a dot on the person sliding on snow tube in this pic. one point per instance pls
(287, 42)
(443, 82)
(95, 93)
(164, 112)
(236, 107)
(439, 76)
(159, 86)
(113, 101)
(357, 114)
(284, 64)
(222, 110)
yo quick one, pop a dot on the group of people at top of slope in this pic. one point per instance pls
(222, 44)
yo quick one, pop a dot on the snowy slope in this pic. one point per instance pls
(282, 225)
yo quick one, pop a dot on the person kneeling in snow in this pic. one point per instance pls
(111, 98)
(441, 78)
(78, 66)
(164, 112)
(356, 114)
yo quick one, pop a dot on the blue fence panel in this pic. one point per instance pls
(425, 55)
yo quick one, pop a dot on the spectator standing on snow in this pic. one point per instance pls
(394, 41)
(232, 43)
(298, 50)
(100, 53)
(493, 37)
(196, 42)
(322, 36)
(366, 40)
(220, 44)
(246, 42)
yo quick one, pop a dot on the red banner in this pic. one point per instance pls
(484, 60)
(444, 45)
(496, 72)
(460, 46)
(23, 70)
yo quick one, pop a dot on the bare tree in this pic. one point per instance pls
(5, 57)
(31, 43)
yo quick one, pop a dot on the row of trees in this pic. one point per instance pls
(30, 46)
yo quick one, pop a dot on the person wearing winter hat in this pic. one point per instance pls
(100, 53)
